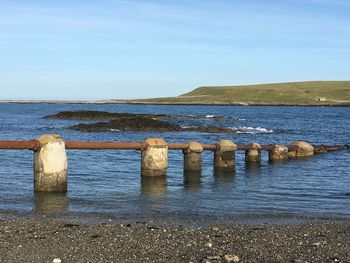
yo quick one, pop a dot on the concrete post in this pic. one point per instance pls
(303, 149)
(50, 164)
(154, 159)
(224, 156)
(193, 157)
(279, 152)
(253, 155)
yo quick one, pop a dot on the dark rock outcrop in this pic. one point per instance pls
(133, 122)
(98, 115)
(104, 115)
(137, 124)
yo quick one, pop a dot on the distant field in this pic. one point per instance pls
(293, 93)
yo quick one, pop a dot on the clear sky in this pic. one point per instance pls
(104, 49)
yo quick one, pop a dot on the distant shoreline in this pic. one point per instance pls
(307, 93)
(131, 102)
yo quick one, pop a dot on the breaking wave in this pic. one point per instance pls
(223, 118)
(251, 130)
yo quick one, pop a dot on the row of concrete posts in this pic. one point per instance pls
(50, 160)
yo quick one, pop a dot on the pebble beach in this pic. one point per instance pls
(54, 240)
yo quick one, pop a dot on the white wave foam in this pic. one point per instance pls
(251, 130)
(228, 118)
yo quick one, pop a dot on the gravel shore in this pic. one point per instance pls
(46, 240)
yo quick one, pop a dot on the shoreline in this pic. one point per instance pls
(42, 239)
(170, 219)
(173, 104)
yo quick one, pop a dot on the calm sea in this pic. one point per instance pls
(109, 182)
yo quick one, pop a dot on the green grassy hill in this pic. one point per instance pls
(293, 93)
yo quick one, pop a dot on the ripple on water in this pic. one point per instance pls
(109, 181)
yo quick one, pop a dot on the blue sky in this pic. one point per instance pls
(121, 49)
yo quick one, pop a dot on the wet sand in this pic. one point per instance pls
(43, 239)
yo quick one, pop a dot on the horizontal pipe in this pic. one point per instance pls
(106, 145)
(20, 145)
(184, 146)
(242, 147)
(34, 145)
(212, 147)
(268, 147)
(330, 148)
(128, 145)
(178, 146)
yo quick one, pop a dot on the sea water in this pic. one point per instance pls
(109, 182)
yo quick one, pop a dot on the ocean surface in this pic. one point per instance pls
(109, 182)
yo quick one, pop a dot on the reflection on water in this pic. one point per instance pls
(227, 175)
(51, 203)
(153, 186)
(252, 169)
(192, 180)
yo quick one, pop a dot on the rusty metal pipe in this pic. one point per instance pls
(184, 146)
(73, 145)
(34, 145)
(20, 145)
(212, 147)
(178, 146)
(242, 147)
(330, 148)
(268, 147)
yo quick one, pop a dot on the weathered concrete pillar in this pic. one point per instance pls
(193, 157)
(224, 156)
(279, 152)
(50, 164)
(154, 159)
(254, 154)
(303, 149)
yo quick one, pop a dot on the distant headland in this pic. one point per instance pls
(309, 93)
